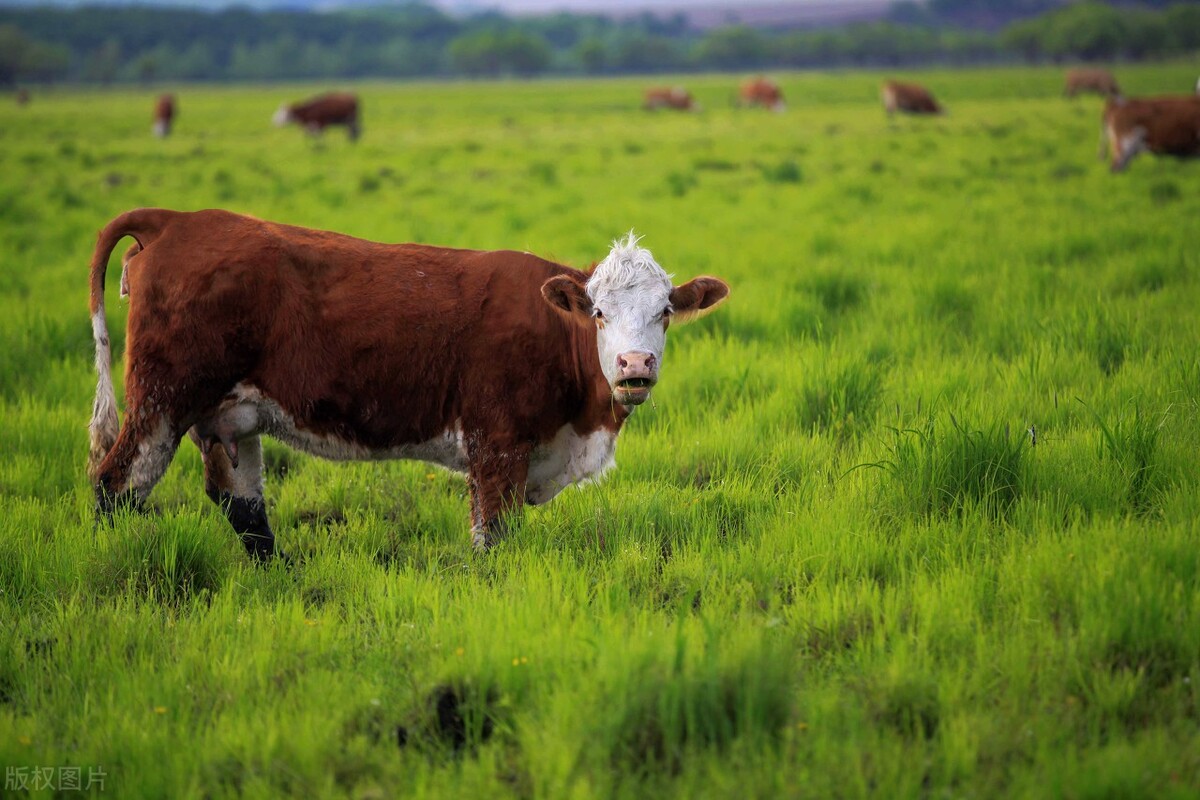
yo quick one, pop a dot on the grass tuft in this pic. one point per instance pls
(942, 469)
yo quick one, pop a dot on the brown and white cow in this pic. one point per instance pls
(1097, 81)
(676, 97)
(762, 92)
(318, 113)
(512, 369)
(1162, 125)
(910, 98)
(164, 115)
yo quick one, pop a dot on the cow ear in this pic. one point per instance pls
(696, 298)
(567, 296)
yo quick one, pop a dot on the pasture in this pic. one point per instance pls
(832, 561)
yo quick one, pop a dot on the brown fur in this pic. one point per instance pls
(378, 345)
(335, 108)
(1162, 125)
(761, 92)
(661, 97)
(909, 98)
(164, 113)
(1097, 81)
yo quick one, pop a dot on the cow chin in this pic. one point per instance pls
(631, 395)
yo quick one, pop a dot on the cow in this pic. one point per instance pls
(677, 98)
(1098, 81)
(517, 371)
(910, 98)
(22, 97)
(164, 115)
(762, 92)
(1162, 125)
(318, 113)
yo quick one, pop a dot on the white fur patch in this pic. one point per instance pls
(153, 456)
(631, 290)
(566, 459)
(105, 423)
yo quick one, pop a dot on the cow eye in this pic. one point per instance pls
(597, 313)
(668, 311)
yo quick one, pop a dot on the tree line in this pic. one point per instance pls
(130, 44)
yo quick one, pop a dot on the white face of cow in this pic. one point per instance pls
(631, 302)
(283, 116)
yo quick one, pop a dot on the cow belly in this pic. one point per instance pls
(247, 411)
(566, 459)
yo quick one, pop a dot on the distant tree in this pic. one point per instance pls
(103, 63)
(496, 52)
(1182, 22)
(24, 58)
(733, 47)
(592, 55)
(646, 53)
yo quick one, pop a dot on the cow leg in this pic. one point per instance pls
(238, 489)
(497, 482)
(136, 462)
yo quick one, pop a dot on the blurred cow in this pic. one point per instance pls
(762, 92)
(22, 97)
(164, 114)
(1165, 126)
(909, 98)
(318, 113)
(1098, 81)
(677, 98)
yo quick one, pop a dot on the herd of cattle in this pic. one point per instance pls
(1168, 125)
(516, 371)
(314, 115)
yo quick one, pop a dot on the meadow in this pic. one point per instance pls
(913, 515)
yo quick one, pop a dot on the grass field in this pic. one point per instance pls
(832, 560)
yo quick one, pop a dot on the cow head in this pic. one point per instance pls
(630, 300)
(283, 116)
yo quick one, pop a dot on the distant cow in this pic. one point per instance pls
(910, 98)
(762, 92)
(164, 115)
(1098, 81)
(1162, 125)
(318, 113)
(512, 369)
(22, 97)
(677, 98)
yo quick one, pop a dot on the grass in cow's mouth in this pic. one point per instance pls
(635, 383)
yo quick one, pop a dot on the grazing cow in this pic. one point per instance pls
(1162, 125)
(762, 92)
(22, 97)
(318, 113)
(1098, 81)
(910, 98)
(164, 115)
(677, 98)
(512, 369)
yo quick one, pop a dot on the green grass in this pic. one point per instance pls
(833, 560)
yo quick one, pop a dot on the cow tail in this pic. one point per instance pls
(145, 225)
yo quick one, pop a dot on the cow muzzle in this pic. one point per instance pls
(636, 375)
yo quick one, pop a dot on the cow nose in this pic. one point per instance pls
(637, 365)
